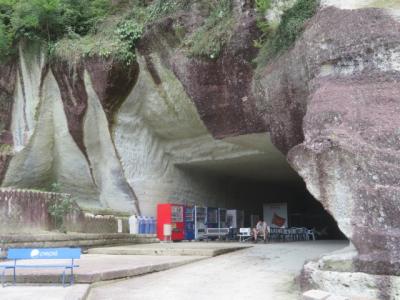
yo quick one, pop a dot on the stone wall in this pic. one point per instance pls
(22, 210)
(27, 211)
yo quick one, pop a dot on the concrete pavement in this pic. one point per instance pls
(75, 292)
(265, 271)
(110, 263)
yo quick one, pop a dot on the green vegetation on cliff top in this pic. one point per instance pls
(117, 35)
(209, 40)
(47, 20)
(275, 40)
(73, 29)
(80, 28)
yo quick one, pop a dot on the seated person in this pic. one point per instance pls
(261, 229)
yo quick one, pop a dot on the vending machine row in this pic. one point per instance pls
(200, 220)
(191, 222)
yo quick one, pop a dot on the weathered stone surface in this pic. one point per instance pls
(49, 119)
(351, 143)
(159, 115)
(4, 161)
(24, 210)
(353, 285)
(222, 89)
(338, 90)
(327, 47)
(74, 97)
(7, 86)
(112, 81)
(68, 136)
(8, 75)
(31, 68)
(51, 155)
(315, 295)
(108, 175)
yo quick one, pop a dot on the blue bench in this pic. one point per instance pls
(42, 253)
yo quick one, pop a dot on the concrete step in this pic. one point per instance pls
(83, 240)
(96, 268)
(171, 249)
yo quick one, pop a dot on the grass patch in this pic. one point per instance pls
(6, 149)
(117, 36)
(209, 40)
(108, 41)
(291, 26)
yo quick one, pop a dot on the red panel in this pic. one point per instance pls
(163, 217)
(170, 214)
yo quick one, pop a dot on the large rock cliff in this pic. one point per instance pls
(123, 137)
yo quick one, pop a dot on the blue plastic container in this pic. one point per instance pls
(147, 225)
(152, 226)
(142, 225)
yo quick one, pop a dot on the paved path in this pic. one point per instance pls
(265, 271)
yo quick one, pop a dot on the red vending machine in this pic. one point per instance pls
(170, 214)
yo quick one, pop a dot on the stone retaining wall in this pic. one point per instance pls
(82, 240)
(23, 211)
(79, 221)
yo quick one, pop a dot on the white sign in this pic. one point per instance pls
(119, 225)
(275, 214)
(34, 253)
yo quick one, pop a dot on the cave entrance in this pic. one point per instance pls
(252, 175)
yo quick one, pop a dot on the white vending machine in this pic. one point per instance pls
(222, 218)
(200, 219)
(235, 218)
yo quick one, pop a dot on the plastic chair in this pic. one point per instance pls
(310, 233)
(244, 234)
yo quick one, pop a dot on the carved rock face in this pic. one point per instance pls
(349, 161)
(349, 158)
(112, 82)
(222, 89)
(71, 83)
(8, 74)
